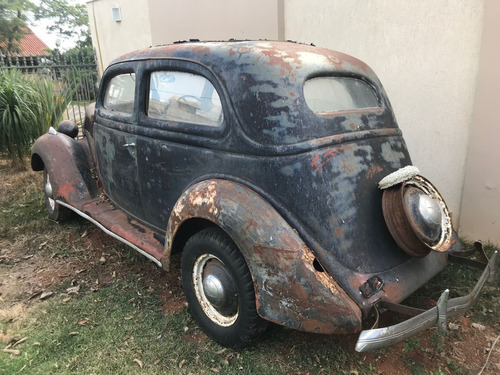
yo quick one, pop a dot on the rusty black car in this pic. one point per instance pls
(278, 171)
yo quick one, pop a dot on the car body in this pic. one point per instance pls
(261, 162)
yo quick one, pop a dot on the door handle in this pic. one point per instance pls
(129, 145)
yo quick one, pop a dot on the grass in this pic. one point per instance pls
(115, 323)
(120, 329)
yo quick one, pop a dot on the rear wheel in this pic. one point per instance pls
(219, 289)
(55, 210)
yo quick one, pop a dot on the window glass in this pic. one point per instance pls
(184, 97)
(333, 94)
(119, 95)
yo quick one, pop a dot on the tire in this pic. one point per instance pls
(55, 210)
(213, 267)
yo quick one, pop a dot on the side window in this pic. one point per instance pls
(119, 94)
(184, 97)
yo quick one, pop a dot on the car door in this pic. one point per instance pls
(116, 141)
(181, 108)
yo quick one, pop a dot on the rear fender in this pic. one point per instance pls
(289, 289)
(70, 166)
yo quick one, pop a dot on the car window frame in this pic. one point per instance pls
(345, 110)
(382, 103)
(147, 67)
(109, 74)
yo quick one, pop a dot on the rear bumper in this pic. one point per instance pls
(381, 337)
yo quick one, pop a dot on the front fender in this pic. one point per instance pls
(70, 166)
(289, 289)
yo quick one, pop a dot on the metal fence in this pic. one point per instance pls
(75, 70)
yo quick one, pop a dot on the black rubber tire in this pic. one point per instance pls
(248, 324)
(58, 212)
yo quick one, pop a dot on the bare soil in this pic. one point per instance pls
(33, 266)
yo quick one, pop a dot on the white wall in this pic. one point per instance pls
(174, 20)
(425, 53)
(480, 216)
(152, 22)
(112, 39)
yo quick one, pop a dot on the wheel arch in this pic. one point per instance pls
(289, 289)
(37, 163)
(186, 230)
(69, 164)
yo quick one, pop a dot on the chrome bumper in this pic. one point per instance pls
(380, 337)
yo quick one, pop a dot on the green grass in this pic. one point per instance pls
(104, 332)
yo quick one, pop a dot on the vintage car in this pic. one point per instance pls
(280, 173)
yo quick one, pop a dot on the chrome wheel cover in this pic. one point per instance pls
(215, 294)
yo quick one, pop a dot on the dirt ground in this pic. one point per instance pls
(33, 271)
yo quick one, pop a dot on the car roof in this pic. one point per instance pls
(265, 79)
(287, 56)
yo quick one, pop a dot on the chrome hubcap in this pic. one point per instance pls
(430, 211)
(215, 290)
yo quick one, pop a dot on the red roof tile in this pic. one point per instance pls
(33, 45)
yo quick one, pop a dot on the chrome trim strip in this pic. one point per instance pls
(107, 231)
(378, 338)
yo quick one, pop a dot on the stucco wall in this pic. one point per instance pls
(113, 39)
(480, 217)
(174, 20)
(425, 53)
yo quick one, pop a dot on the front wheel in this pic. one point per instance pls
(55, 210)
(219, 289)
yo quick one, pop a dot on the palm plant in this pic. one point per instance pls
(18, 113)
(55, 96)
(29, 105)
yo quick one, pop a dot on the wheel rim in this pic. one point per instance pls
(215, 290)
(48, 193)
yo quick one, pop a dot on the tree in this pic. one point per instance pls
(13, 23)
(68, 20)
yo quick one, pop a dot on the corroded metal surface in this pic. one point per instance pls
(289, 289)
(70, 166)
(264, 81)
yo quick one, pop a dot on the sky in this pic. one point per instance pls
(51, 39)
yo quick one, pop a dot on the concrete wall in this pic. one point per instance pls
(426, 54)
(174, 20)
(480, 217)
(152, 22)
(112, 39)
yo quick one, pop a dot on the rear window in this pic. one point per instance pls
(334, 94)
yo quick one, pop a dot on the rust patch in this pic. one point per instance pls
(289, 290)
(373, 170)
(200, 49)
(318, 162)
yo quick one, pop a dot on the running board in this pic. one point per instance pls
(117, 224)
